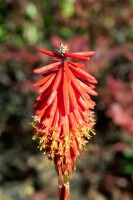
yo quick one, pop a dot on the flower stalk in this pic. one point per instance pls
(64, 192)
(64, 117)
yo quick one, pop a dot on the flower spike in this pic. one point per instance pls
(64, 120)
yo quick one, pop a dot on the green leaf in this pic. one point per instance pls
(67, 8)
(128, 154)
(31, 10)
(66, 32)
(128, 169)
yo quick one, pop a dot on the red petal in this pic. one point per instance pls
(84, 53)
(87, 89)
(72, 120)
(57, 80)
(72, 55)
(47, 68)
(55, 86)
(49, 53)
(67, 71)
(83, 103)
(51, 97)
(82, 74)
(42, 81)
(78, 65)
(43, 95)
(78, 117)
(75, 82)
(40, 105)
(72, 96)
(83, 114)
(47, 84)
(56, 118)
(42, 110)
(66, 126)
(65, 94)
(74, 148)
(53, 107)
(89, 102)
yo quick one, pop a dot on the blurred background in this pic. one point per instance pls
(105, 171)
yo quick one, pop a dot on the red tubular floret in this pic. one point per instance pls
(84, 53)
(47, 68)
(82, 74)
(79, 57)
(78, 65)
(42, 81)
(49, 53)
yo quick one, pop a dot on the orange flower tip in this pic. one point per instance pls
(92, 53)
(94, 81)
(34, 85)
(95, 93)
(35, 71)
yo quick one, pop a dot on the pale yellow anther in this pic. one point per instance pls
(33, 124)
(63, 48)
(67, 144)
(34, 137)
(60, 146)
(54, 134)
(66, 139)
(79, 142)
(41, 146)
(54, 145)
(86, 133)
(93, 131)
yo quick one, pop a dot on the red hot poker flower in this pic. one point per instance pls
(64, 118)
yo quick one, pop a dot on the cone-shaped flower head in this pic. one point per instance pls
(63, 118)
